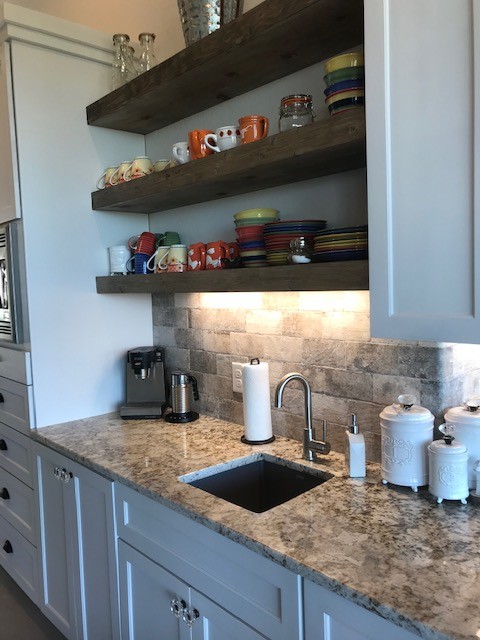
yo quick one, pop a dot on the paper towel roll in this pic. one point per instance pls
(257, 413)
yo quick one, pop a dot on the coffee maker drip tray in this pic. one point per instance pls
(141, 410)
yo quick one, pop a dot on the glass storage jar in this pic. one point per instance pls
(295, 111)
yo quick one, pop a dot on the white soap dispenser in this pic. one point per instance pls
(354, 450)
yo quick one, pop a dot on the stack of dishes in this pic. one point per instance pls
(345, 80)
(277, 236)
(348, 243)
(249, 228)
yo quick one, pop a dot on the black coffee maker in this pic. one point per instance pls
(146, 392)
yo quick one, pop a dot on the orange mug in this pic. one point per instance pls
(197, 145)
(253, 128)
(216, 252)
(196, 256)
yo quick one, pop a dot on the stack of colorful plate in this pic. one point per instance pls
(250, 224)
(345, 80)
(277, 236)
(348, 243)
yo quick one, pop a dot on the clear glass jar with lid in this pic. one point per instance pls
(295, 111)
(147, 58)
(123, 67)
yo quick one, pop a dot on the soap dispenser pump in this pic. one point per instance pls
(354, 450)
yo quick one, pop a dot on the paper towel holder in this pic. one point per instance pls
(255, 361)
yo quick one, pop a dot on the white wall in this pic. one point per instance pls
(123, 16)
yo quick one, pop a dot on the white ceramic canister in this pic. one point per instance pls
(448, 469)
(466, 423)
(407, 430)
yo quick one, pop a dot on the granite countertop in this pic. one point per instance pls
(400, 554)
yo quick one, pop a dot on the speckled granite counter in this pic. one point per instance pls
(394, 552)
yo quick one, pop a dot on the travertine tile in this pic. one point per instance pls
(204, 361)
(189, 338)
(263, 321)
(216, 341)
(303, 324)
(372, 358)
(218, 319)
(230, 410)
(164, 336)
(428, 363)
(386, 389)
(325, 353)
(349, 384)
(176, 358)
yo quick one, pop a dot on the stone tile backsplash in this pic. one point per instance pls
(325, 336)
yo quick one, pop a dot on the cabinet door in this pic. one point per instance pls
(9, 199)
(146, 594)
(80, 593)
(214, 623)
(330, 617)
(423, 168)
(59, 551)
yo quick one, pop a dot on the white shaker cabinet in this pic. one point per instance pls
(330, 617)
(422, 110)
(9, 187)
(79, 580)
(155, 603)
(229, 591)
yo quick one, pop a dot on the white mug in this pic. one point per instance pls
(119, 256)
(224, 138)
(181, 152)
(158, 261)
(177, 258)
(118, 176)
(104, 179)
(140, 167)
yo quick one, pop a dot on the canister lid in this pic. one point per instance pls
(405, 410)
(447, 446)
(468, 413)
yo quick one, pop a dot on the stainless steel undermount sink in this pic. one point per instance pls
(257, 483)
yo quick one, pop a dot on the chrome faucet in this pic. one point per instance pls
(310, 446)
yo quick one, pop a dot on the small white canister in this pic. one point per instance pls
(466, 423)
(407, 430)
(448, 469)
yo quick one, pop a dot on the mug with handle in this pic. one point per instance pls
(104, 180)
(216, 252)
(253, 128)
(141, 166)
(181, 152)
(196, 256)
(224, 138)
(158, 262)
(118, 176)
(196, 142)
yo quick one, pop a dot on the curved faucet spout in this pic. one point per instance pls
(308, 395)
(310, 445)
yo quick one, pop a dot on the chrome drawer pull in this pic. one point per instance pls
(4, 495)
(3, 445)
(177, 606)
(189, 616)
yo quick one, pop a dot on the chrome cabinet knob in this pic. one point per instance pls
(177, 606)
(189, 616)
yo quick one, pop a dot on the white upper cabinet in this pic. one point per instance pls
(422, 141)
(9, 196)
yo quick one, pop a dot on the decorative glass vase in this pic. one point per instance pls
(202, 17)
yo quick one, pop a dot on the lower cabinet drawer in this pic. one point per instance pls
(17, 504)
(15, 401)
(15, 454)
(256, 590)
(19, 558)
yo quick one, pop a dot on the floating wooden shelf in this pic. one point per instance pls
(327, 276)
(322, 148)
(273, 40)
